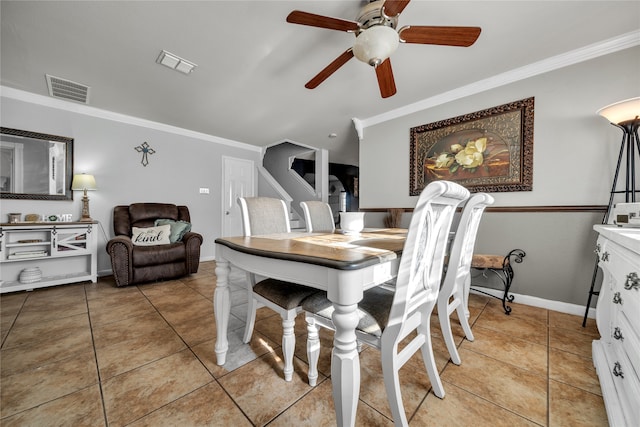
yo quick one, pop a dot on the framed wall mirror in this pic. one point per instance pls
(35, 165)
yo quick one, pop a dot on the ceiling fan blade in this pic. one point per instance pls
(446, 36)
(313, 20)
(330, 69)
(394, 7)
(385, 79)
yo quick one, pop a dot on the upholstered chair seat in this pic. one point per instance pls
(145, 256)
(373, 310)
(283, 294)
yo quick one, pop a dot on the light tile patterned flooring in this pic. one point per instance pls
(93, 354)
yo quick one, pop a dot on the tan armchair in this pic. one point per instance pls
(134, 264)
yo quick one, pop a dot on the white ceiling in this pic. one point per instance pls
(252, 64)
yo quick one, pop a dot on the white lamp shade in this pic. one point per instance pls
(621, 111)
(376, 44)
(83, 182)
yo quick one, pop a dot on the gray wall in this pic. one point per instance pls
(575, 153)
(183, 162)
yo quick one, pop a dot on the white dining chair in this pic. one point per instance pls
(387, 317)
(265, 215)
(318, 216)
(454, 293)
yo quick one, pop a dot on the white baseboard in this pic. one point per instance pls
(562, 307)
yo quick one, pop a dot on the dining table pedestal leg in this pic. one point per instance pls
(221, 304)
(345, 364)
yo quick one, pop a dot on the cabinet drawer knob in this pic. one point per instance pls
(633, 281)
(617, 299)
(617, 334)
(605, 256)
(617, 370)
(597, 251)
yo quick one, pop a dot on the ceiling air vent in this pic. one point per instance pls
(66, 89)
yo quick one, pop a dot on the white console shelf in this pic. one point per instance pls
(616, 355)
(65, 252)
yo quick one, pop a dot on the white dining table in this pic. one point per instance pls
(343, 265)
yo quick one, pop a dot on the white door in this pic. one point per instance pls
(238, 181)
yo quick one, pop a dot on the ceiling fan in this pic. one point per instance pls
(377, 38)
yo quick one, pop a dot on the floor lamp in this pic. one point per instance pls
(626, 116)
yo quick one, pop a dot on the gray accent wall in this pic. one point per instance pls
(104, 143)
(575, 153)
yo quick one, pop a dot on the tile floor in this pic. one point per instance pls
(93, 354)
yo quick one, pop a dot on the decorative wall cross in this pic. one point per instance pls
(145, 150)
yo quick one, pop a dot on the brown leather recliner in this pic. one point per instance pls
(134, 264)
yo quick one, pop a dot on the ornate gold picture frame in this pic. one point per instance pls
(489, 150)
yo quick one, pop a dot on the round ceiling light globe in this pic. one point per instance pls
(376, 44)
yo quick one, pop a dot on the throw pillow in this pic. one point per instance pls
(151, 236)
(178, 228)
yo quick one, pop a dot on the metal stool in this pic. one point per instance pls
(501, 267)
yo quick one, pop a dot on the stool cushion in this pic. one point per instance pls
(488, 261)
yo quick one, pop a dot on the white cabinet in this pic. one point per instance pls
(616, 355)
(64, 252)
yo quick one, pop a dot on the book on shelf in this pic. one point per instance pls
(27, 254)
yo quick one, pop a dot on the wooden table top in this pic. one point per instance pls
(337, 250)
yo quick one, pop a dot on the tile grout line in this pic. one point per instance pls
(553, 322)
(95, 357)
(486, 306)
(50, 362)
(548, 369)
(214, 379)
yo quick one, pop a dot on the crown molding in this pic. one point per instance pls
(45, 101)
(615, 44)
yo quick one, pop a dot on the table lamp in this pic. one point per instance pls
(86, 183)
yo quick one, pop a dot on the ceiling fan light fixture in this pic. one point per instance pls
(375, 44)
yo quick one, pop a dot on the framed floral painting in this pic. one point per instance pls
(489, 150)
